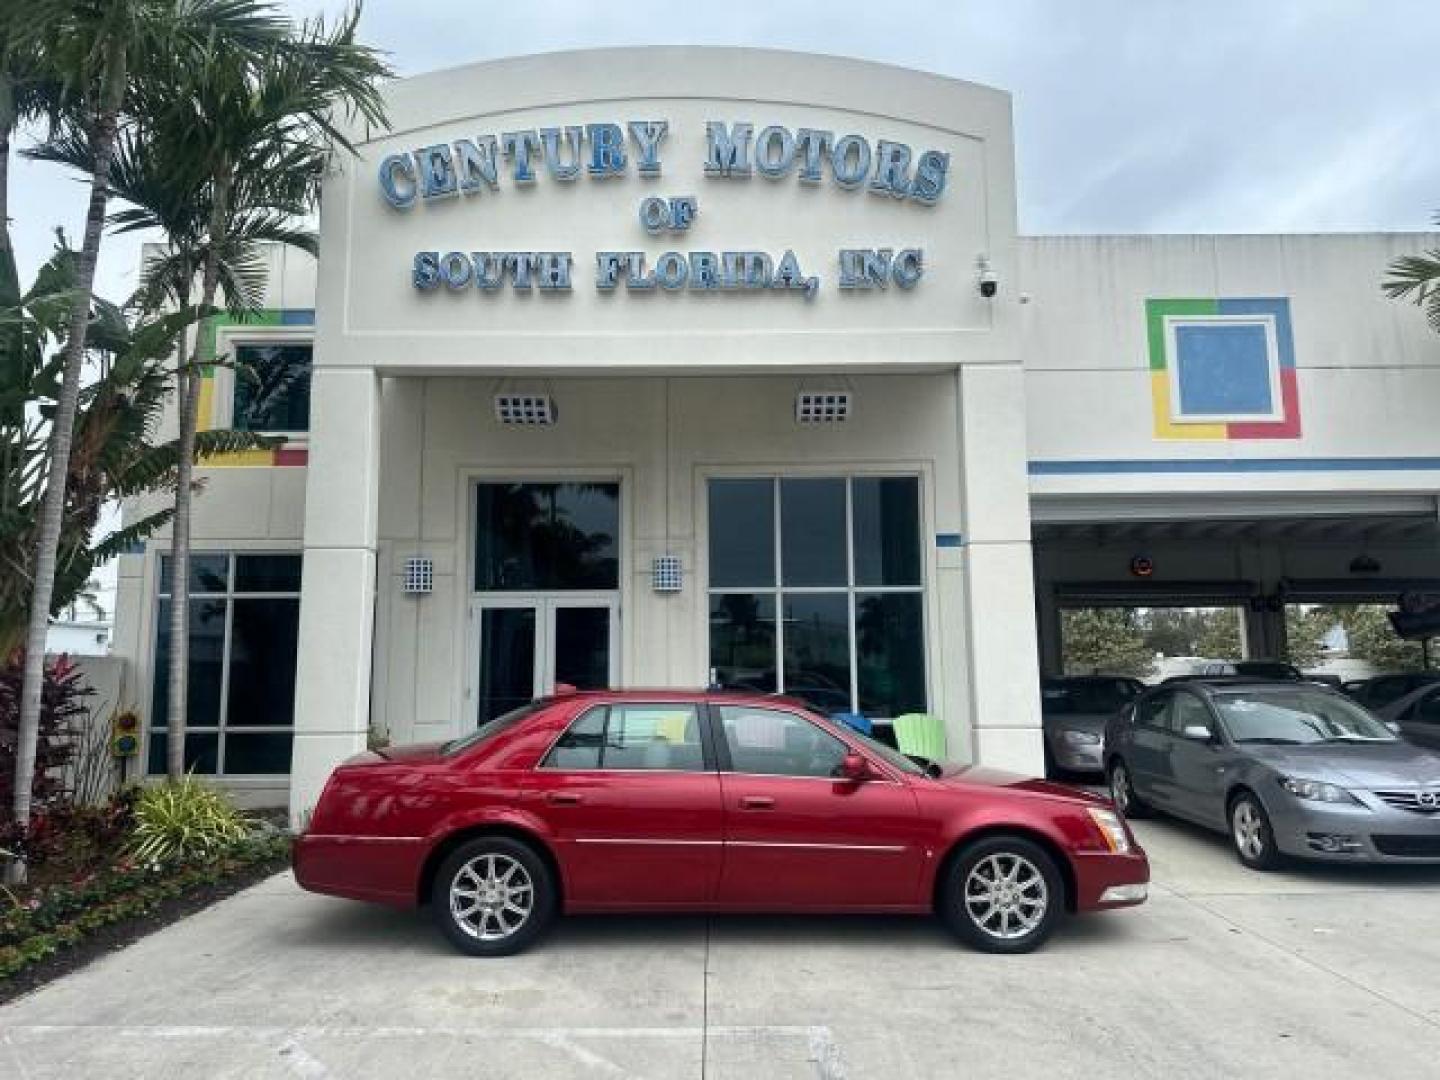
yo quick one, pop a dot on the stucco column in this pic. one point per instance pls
(1004, 681)
(337, 592)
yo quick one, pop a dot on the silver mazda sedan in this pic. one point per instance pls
(1283, 768)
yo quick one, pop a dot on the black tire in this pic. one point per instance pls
(982, 919)
(1123, 793)
(500, 873)
(1251, 834)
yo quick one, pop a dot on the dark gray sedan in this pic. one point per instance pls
(1282, 768)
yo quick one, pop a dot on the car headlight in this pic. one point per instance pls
(1319, 791)
(1080, 738)
(1111, 828)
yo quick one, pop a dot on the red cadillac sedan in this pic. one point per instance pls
(671, 801)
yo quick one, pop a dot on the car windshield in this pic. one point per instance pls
(1090, 696)
(489, 729)
(1286, 717)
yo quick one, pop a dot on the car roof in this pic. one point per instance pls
(1238, 682)
(662, 694)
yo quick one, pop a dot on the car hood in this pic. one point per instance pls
(1357, 765)
(410, 754)
(972, 776)
(1094, 723)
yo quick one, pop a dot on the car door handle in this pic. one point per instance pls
(756, 802)
(563, 798)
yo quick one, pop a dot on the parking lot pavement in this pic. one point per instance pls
(1224, 973)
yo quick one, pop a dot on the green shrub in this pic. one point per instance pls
(182, 820)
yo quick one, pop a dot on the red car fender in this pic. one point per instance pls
(973, 819)
(455, 827)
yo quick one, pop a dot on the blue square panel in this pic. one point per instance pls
(1223, 369)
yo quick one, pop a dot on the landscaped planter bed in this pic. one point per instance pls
(52, 928)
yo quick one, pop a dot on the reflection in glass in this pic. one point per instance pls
(546, 536)
(202, 753)
(259, 754)
(890, 648)
(206, 664)
(272, 388)
(817, 650)
(886, 513)
(208, 573)
(742, 640)
(267, 573)
(812, 532)
(582, 647)
(507, 660)
(742, 533)
(264, 641)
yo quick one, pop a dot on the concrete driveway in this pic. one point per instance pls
(1223, 973)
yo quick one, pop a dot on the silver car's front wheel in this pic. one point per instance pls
(1251, 833)
(1002, 894)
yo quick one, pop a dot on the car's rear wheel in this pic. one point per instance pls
(1003, 894)
(493, 896)
(1122, 791)
(1251, 833)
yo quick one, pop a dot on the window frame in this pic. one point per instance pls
(228, 341)
(850, 589)
(709, 762)
(221, 728)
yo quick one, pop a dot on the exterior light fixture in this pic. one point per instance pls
(666, 575)
(822, 407)
(526, 410)
(419, 577)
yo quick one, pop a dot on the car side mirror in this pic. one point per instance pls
(855, 768)
(1197, 733)
(1393, 726)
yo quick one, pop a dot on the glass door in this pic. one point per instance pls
(526, 646)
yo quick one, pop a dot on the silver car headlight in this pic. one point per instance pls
(1074, 737)
(1319, 791)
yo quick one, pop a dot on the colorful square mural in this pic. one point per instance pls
(1222, 368)
(280, 455)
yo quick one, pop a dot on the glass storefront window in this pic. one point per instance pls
(540, 537)
(244, 636)
(851, 636)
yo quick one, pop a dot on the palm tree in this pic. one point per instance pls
(1417, 278)
(98, 51)
(254, 140)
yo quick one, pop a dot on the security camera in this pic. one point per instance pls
(989, 282)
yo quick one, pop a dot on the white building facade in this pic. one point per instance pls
(610, 375)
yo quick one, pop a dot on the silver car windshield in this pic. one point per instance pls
(1286, 716)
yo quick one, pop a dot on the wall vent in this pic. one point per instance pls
(526, 410)
(419, 576)
(822, 407)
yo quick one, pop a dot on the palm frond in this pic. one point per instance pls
(1417, 278)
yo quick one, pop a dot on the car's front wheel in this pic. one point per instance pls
(1003, 894)
(1122, 791)
(493, 896)
(1251, 833)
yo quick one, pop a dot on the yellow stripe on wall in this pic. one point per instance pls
(1165, 428)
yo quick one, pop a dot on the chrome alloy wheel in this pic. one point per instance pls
(491, 897)
(1120, 788)
(1249, 830)
(1006, 896)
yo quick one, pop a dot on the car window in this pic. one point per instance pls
(1154, 711)
(632, 736)
(1090, 696)
(1427, 711)
(1188, 711)
(775, 743)
(489, 729)
(1299, 716)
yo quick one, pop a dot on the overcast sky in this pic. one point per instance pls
(1130, 115)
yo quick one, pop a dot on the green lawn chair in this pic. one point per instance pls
(920, 734)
